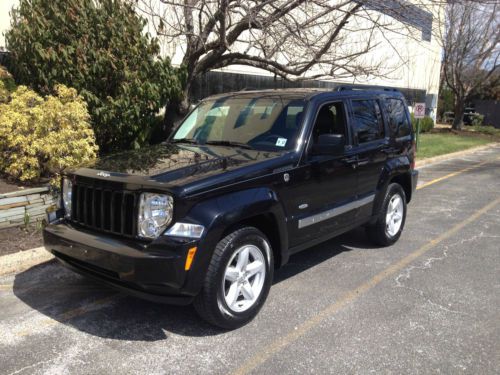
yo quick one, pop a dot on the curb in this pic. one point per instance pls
(22, 260)
(436, 159)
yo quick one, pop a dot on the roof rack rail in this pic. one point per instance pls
(248, 88)
(364, 87)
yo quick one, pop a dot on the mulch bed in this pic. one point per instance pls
(17, 239)
(6, 187)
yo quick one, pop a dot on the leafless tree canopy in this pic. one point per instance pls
(320, 38)
(471, 45)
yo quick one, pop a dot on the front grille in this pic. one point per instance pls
(105, 210)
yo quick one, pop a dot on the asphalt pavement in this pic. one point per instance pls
(428, 304)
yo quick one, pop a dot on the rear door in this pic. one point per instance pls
(370, 145)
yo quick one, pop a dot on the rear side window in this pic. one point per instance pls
(398, 121)
(368, 124)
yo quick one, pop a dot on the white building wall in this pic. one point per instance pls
(5, 7)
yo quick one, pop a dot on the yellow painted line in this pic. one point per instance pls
(276, 346)
(70, 314)
(453, 174)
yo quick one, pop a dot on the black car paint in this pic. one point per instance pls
(221, 187)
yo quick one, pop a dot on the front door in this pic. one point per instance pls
(321, 198)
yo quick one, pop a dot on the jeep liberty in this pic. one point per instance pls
(246, 180)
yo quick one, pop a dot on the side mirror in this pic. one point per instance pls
(329, 144)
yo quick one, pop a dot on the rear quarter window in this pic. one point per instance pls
(398, 120)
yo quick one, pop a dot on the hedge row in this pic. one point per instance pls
(426, 124)
(41, 136)
(99, 48)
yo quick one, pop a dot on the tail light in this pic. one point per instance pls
(413, 152)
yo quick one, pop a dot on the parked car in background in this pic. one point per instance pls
(245, 181)
(448, 117)
(469, 116)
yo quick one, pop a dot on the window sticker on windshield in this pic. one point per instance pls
(281, 142)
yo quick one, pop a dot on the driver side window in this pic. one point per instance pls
(330, 120)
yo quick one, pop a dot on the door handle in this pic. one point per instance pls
(350, 160)
(353, 161)
(363, 162)
(389, 150)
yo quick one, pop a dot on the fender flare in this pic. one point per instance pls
(219, 214)
(393, 168)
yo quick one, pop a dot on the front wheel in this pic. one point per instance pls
(390, 223)
(238, 279)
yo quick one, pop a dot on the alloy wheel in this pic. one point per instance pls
(394, 216)
(244, 278)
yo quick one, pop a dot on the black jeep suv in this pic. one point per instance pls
(246, 180)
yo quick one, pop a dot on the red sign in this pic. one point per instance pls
(419, 110)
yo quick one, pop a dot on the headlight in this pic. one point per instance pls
(67, 188)
(186, 230)
(155, 213)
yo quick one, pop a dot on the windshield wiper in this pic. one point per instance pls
(229, 143)
(185, 140)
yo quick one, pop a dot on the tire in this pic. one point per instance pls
(381, 233)
(226, 278)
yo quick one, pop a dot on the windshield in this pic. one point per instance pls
(265, 123)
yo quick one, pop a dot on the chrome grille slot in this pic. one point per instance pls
(105, 210)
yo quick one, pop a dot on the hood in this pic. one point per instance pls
(177, 165)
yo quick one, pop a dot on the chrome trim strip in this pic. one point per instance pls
(325, 215)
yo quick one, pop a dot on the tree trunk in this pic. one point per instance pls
(459, 110)
(175, 111)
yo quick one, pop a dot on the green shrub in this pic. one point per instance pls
(426, 123)
(485, 129)
(99, 48)
(40, 137)
(7, 85)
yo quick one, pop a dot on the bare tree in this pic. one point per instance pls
(471, 50)
(293, 39)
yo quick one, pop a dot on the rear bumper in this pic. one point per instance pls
(150, 272)
(414, 180)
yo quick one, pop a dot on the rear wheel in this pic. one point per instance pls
(390, 223)
(238, 279)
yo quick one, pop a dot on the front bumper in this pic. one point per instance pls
(153, 271)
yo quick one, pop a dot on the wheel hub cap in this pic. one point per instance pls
(394, 216)
(244, 278)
